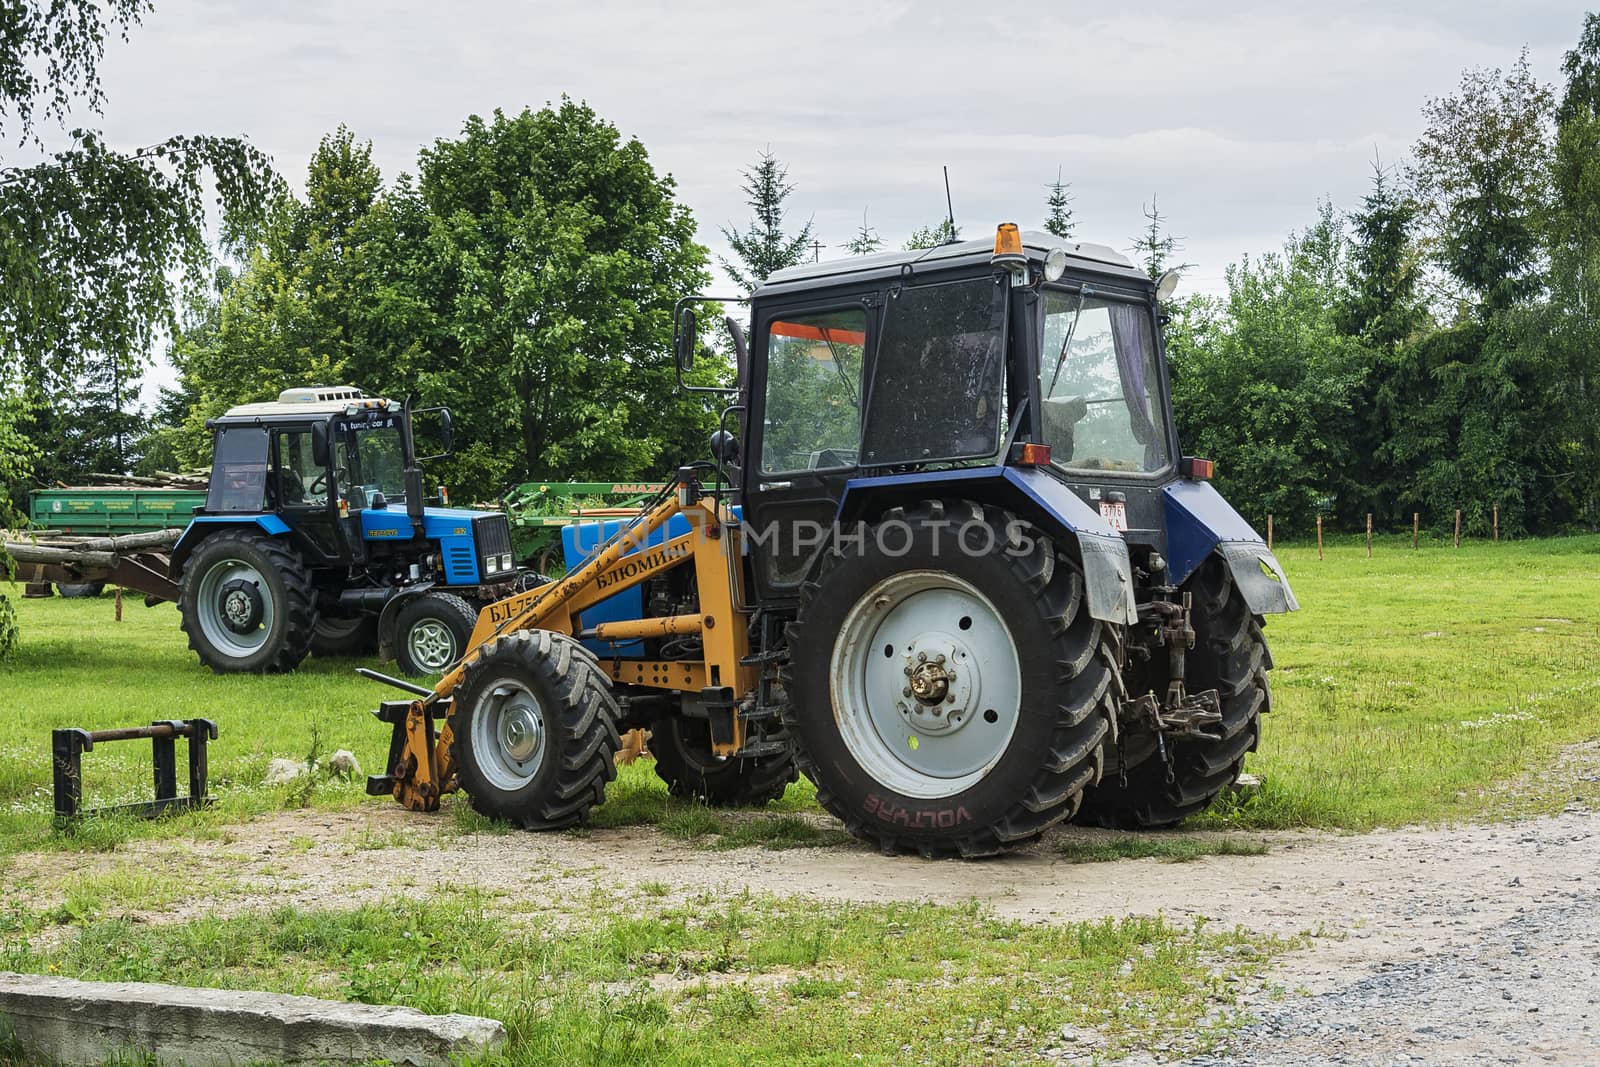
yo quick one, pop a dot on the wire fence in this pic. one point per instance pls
(1416, 530)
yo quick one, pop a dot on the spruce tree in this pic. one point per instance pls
(866, 241)
(1058, 218)
(764, 248)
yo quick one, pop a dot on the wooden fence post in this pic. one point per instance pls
(1369, 535)
(1458, 527)
(119, 603)
(1497, 523)
(1416, 528)
(1269, 529)
(1319, 536)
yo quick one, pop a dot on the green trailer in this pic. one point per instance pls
(126, 521)
(113, 511)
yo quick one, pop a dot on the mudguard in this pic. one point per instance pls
(1200, 522)
(1107, 571)
(202, 525)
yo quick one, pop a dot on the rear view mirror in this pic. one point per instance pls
(685, 337)
(447, 429)
(319, 443)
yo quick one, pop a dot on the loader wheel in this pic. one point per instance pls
(949, 701)
(682, 748)
(431, 632)
(247, 604)
(344, 636)
(1229, 655)
(535, 735)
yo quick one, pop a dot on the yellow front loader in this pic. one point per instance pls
(527, 722)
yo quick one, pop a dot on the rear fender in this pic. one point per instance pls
(1037, 497)
(203, 526)
(1199, 523)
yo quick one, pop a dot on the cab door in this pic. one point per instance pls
(307, 497)
(804, 434)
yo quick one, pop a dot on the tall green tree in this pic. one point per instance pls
(1263, 380)
(1058, 218)
(1573, 331)
(1383, 306)
(764, 247)
(1480, 170)
(96, 243)
(525, 278)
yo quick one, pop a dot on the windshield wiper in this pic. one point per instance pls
(1066, 341)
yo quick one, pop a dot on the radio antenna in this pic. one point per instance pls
(949, 207)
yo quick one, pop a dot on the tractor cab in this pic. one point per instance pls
(326, 483)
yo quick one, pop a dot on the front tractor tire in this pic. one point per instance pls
(949, 700)
(682, 751)
(534, 734)
(1229, 655)
(431, 632)
(247, 604)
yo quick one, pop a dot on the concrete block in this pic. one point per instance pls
(64, 1021)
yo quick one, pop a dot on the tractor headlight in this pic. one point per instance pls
(493, 564)
(506, 563)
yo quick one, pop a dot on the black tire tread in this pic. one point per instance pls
(736, 783)
(300, 604)
(1085, 711)
(1231, 653)
(465, 614)
(588, 732)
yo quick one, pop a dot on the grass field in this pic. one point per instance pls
(1417, 686)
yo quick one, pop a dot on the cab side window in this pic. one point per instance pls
(812, 419)
(239, 474)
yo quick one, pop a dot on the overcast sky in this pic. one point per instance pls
(1237, 115)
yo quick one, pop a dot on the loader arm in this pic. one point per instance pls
(420, 767)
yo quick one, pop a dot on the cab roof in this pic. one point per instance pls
(309, 400)
(1081, 255)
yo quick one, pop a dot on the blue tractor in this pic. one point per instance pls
(953, 567)
(314, 537)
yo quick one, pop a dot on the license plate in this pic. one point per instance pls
(1115, 514)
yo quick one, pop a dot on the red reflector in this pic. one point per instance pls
(1031, 454)
(1199, 469)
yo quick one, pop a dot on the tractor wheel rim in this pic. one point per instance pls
(926, 684)
(231, 621)
(508, 734)
(432, 645)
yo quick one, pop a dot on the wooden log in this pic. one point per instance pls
(124, 545)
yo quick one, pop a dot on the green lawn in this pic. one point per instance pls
(1428, 685)
(1415, 686)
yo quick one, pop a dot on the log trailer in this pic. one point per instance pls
(953, 567)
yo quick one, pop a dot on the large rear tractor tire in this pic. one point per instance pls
(682, 750)
(534, 727)
(344, 636)
(431, 633)
(1230, 655)
(949, 700)
(247, 604)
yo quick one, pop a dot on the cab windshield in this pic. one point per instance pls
(370, 458)
(1098, 385)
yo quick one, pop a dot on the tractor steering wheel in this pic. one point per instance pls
(319, 484)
